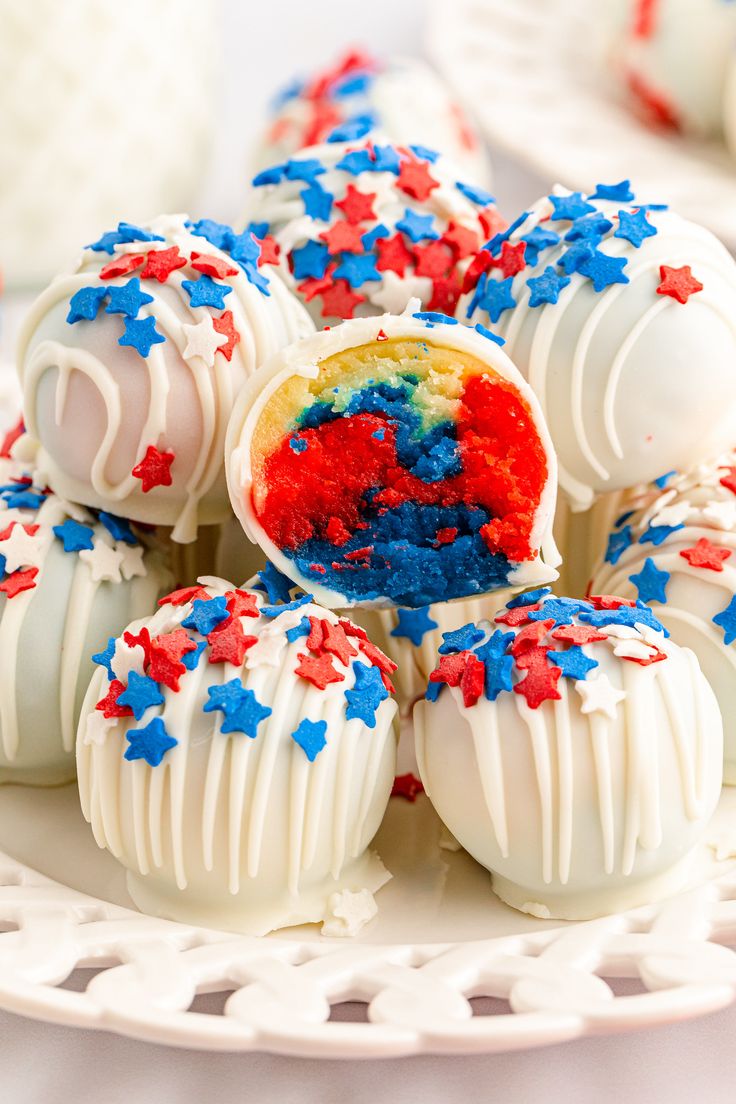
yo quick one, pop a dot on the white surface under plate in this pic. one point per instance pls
(531, 71)
(73, 951)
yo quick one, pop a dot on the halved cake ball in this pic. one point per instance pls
(574, 750)
(240, 765)
(361, 228)
(673, 546)
(395, 461)
(70, 579)
(397, 100)
(131, 363)
(622, 317)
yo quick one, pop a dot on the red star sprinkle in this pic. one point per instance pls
(450, 669)
(445, 293)
(270, 251)
(324, 118)
(241, 603)
(11, 437)
(479, 264)
(18, 582)
(511, 260)
(530, 636)
(729, 481)
(377, 658)
(228, 643)
(707, 555)
(519, 615)
(180, 597)
(343, 237)
(609, 601)
(142, 640)
(335, 640)
(655, 657)
(318, 670)
(340, 300)
(393, 256)
(108, 706)
(462, 241)
(679, 283)
(472, 681)
(407, 786)
(166, 653)
(357, 206)
(577, 634)
(540, 682)
(433, 259)
(212, 266)
(160, 263)
(316, 286)
(226, 325)
(316, 634)
(415, 179)
(353, 630)
(31, 530)
(154, 469)
(492, 222)
(121, 266)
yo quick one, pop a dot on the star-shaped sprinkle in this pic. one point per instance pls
(573, 662)
(599, 695)
(267, 649)
(335, 641)
(166, 652)
(678, 283)
(634, 227)
(140, 694)
(357, 206)
(305, 169)
(203, 341)
(537, 240)
(279, 611)
(357, 269)
(241, 708)
(150, 743)
(416, 179)
(460, 640)
(343, 237)
(623, 615)
(124, 659)
(228, 643)
(704, 554)
(318, 670)
(417, 227)
(118, 528)
(85, 303)
(127, 299)
(103, 562)
(604, 270)
(302, 629)
(658, 534)
(121, 266)
(651, 582)
(160, 263)
(141, 334)
(225, 325)
(393, 255)
(310, 260)
(496, 297)
(74, 536)
(21, 548)
(726, 620)
(205, 292)
(108, 705)
(569, 207)
(546, 288)
(577, 634)
(433, 259)
(206, 614)
(96, 728)
(183, 596)
(105, 658)
(366, 695)
(560, 610)
(241, 603)
(472, 682)
(340, 301)
(540, 681)
(407, 786)
(126, 232)
(619, 193)
(132, 564)
(310, 736)
(154, 470)
(618, 542)
(317, 202)
(217, 267)
(278, 586)
(414, 624)
(191, 659)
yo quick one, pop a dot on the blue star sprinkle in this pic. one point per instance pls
(317, 202)
(620, 193)
(218, 234)
(74, 536)
(306, 170)
(497, 297)
(150, 743)
(357, 268)
(278, 587)
(624, 615)
(414, 624)
(274, 174)
(618, 543)
(634, 227)
(386, 159)
(726, 620)
(561, 609)
(105, 658)
(417, 227)
(310, 261)
(127, 299)
(658, 534)
(529, 598)
(570, 207)
(604, 270)
(356, 162)
(433, 691)
(118, 528)
(367, 694)
(85, 303)
(206, 292)
(546, 288)
(573, 663)
(537, 240)
(650, 582)
(276, 611)
(191, 659)
(24, 499)
(474, 194)
(498, 666)
(369, 240)
(141, 334)
(243, 712)
(302, 629)
(575, 255)
(259, 229)
(352, 129)
(310, 736)
(207, 614)
(141, 693)
(425, 154)
(589, 228)
(126, 232)
(459, 640)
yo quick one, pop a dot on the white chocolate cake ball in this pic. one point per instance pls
(622, 317)
(400, 100)
(131, 363)
(362, 228)
(673, 546)
(242, 766)
(574, 751)
(69, 580)
(395, 461)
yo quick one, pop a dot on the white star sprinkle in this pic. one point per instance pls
(633, 649)
(349, 912)
(722, 515)
(203, 341)
(126, 659)
(676, 514)
(132, 562)
(266, 651)
(21, 550)
(97, 728)
(103, 561)
(599, 695)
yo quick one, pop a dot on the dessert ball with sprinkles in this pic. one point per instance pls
(241, 764)
(574, 750)
(396, 100)
(70, 579)
(395, 461)
(622, 317)
(361, 228)
(130, 365)
(673, 546)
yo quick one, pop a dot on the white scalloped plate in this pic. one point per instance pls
(406, 985)
(531, 72)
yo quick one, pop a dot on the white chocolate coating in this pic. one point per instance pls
(96, 406)
(632, 382)
(245, 834)
(580, 813)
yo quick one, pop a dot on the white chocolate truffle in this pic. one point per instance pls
(255, 762)
(574, 751)
(400, 100)
(395, 461)
(622, 317)
(362, 228)
(674, 547)
(69, 580)
(131, 363)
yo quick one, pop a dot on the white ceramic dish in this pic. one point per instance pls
(73, 951)
(531, 72)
